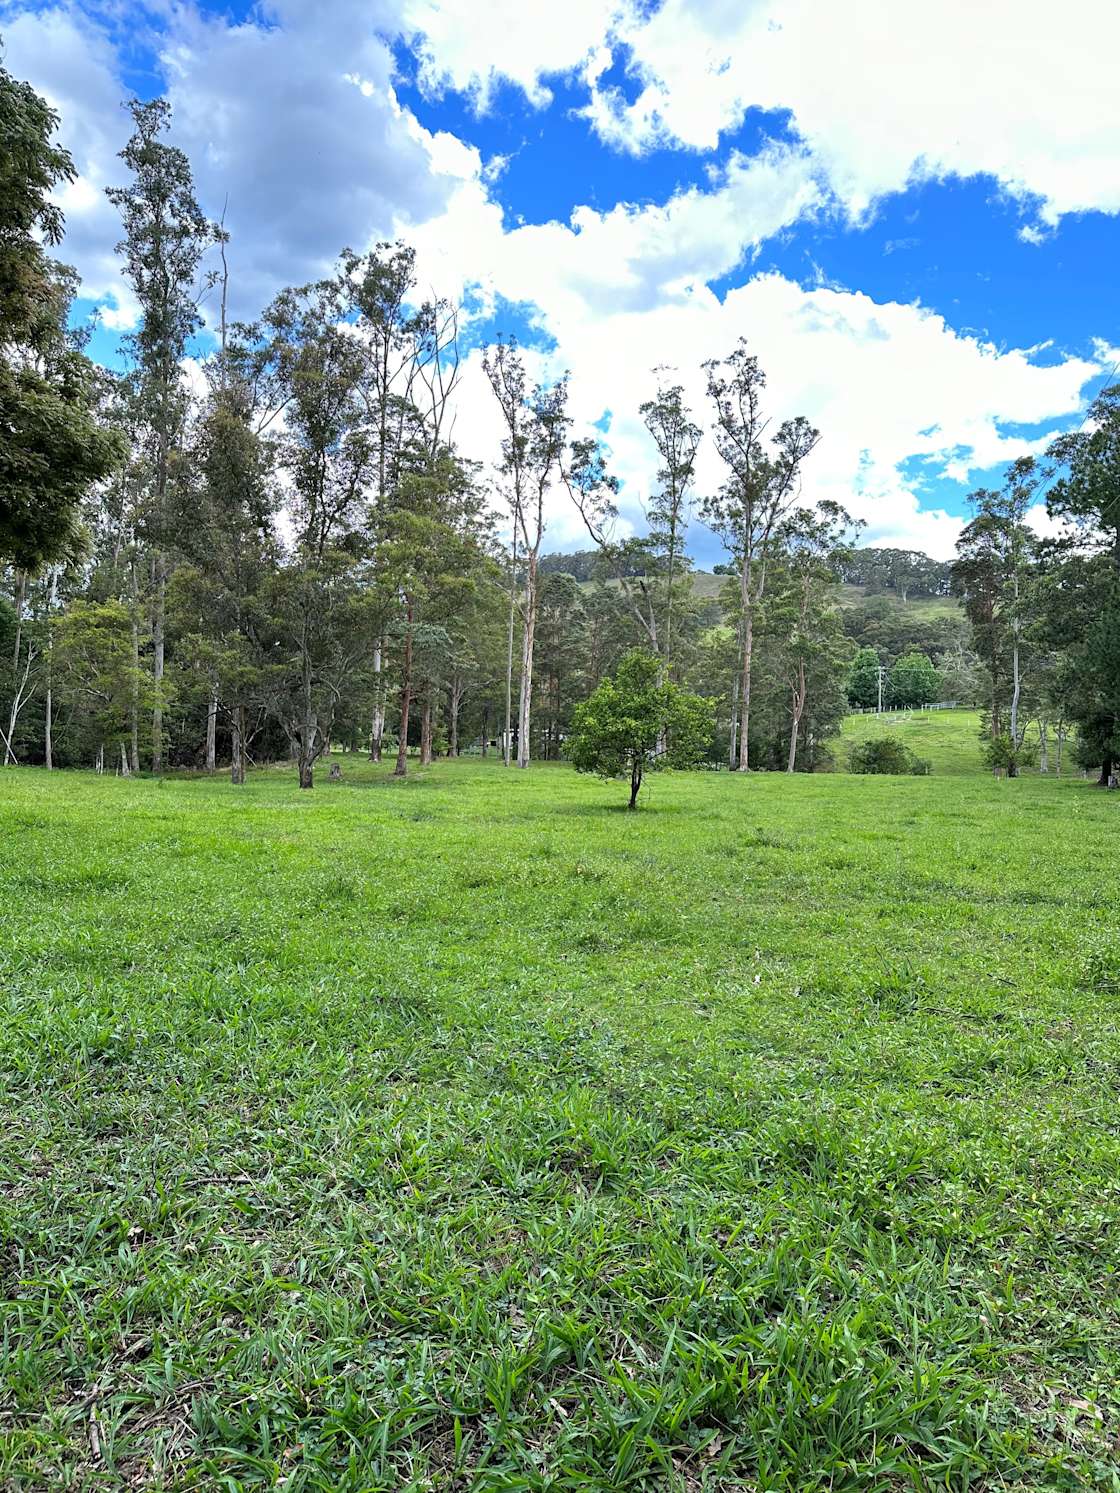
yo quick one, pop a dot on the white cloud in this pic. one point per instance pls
(471, 47)
(292, 120)
(881, 93)
(318, 152)
(74, 66)
(901, 397)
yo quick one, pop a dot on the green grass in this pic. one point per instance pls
(471, 1133)
(949, 739)
(923, 608)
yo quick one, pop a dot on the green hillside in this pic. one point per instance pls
(949, 739)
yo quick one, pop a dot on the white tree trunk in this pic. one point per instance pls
(526, 697)
(212, 734)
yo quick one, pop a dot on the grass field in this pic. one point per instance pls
(948, 739)
(470, 1133)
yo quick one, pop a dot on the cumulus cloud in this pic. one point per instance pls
(75, 66)
(289, 119)
(903, 399)
(880, 93)
(471, 47)
(319, 152)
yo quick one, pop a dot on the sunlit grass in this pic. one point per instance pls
(472, 1133)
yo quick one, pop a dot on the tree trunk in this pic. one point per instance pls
(306, 771)
(377, 723)
(733, 739)
(406, 695)
(134, 704)
(20, 597)
(507, 740)
(635, 783)
(745, 693)
(212, 734)
(48, 713)
(485, 730)
(1061, 740)
(1106, 772)
(1043, 747)
(309, 730)
(237, 762)
(124, 763)
(99, 760)
(158, 608)
(453, 733)
(426, 729)
(526, 698)
(798, 711)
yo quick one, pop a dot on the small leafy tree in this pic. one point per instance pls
(632, 724)
(1005, 753)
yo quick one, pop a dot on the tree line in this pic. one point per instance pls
(289, 551)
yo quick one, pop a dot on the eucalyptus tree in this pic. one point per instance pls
(631, 563)
(223, 525)
(811, 544)
(166, 237)
(434, 550)
(993, 572)
(313, 367)
(412, 367)
(536, 425)
(1084, 618)
(761, 487)
(677, 438)
(97, 678)
(646, 570)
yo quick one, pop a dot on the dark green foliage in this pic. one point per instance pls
(863, 679)
(1084, 602)
(905, 573)
(888, 756)
(53, 447)
(1003, 754)
(912, 681)
(634, 724)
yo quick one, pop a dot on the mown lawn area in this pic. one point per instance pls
(471, 1133)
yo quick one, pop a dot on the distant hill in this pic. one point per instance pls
(909, 578)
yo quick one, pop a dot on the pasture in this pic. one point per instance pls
(468, 1132)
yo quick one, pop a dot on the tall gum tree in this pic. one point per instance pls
(536, 425)
(1086, 597)
(412, 367)
(166, 236)
(761, 487)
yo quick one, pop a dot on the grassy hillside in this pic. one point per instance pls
(949, 739)
(707, 587)
(471, 1133)
(920, 608)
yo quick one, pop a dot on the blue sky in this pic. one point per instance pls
(913, 218)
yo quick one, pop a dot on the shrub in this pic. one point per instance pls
(1003, 755)
(886, 754)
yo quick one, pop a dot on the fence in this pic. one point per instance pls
(902, 709)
